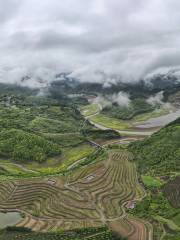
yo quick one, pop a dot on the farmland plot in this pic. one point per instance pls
(93, 197)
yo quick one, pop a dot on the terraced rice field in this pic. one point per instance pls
(172, 192)
(132, 228)
(92, 197)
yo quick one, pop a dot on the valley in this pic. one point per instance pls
(73, 172)
(89, 120)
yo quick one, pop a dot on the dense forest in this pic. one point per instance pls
(160, 153)
(102, 233)
(23, 121)
(35, 128)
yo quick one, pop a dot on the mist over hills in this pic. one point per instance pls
(156, 81)
(90, 120)
(64, 83)
(63, 86)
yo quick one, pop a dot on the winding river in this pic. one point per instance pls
(160, 121)
(145, 128)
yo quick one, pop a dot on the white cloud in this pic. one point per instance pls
(156, 99)
(122, 99)
(97, 40)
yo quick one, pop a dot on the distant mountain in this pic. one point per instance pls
(169, 83)
(64, 84)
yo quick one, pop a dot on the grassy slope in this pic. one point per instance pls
(90, 109)
(110, 122)
(150, 181)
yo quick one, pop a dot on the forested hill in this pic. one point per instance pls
(159, 153)
(37, 128)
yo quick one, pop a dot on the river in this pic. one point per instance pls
(160, 121)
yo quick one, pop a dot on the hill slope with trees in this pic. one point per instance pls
(160, 153)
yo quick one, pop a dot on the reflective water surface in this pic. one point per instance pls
(160, 121)
(9, 219)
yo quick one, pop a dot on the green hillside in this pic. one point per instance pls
(136, 107)
(160, 153)
(158, 159)
(19, 145)
(14, 233)
(43, 134)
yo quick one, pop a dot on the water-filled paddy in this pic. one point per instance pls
(9, 219)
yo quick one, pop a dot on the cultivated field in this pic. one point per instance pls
(92, 197)
(132, 228)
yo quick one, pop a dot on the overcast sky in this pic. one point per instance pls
(96, 40)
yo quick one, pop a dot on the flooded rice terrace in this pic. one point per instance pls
(9, 219)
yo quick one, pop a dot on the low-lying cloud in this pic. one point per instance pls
(102, 101)
(97, 41)
(122, 99)
(157, 99)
